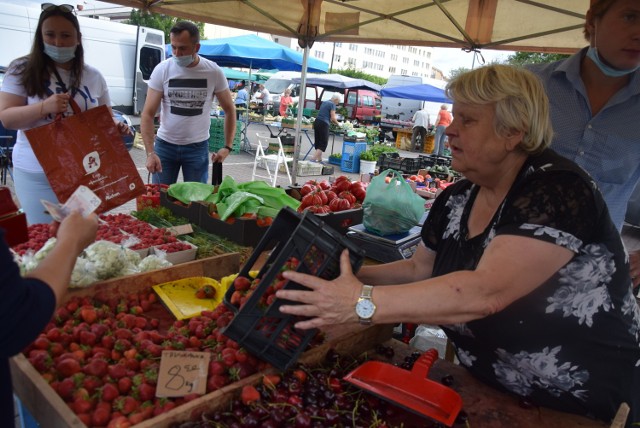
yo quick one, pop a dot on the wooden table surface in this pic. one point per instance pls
(487, 407)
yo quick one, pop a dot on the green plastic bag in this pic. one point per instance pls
(190, 191)
(391, 208)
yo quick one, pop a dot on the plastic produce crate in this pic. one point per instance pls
(260, 327)
(351, 156)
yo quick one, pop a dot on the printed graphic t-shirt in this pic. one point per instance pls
(187, 97)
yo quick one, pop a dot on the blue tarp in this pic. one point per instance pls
(338, 82)
(424, 92)
(255, 52)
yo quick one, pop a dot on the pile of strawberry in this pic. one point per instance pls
(38, 234)
(151, 197)
(147, 235)
(102, 357)
(322, 197)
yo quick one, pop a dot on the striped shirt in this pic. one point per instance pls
(606, 145)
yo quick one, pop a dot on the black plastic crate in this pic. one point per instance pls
(258, 324)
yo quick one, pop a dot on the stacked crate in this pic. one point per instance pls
(216, 135)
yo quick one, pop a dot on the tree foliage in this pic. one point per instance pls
(356, 74)
(160, 22)
(523, 58)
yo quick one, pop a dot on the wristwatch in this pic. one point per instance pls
(365, 308)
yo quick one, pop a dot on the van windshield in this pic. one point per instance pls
(277, 86)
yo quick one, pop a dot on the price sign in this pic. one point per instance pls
(182, 373)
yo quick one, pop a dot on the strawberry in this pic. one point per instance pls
(101, 415)
(88, 314)
(96, 367)
(68, 367)
(109, 392)
(270, 380)
(249, 394)
(241, 283)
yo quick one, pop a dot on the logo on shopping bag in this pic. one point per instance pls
(91, 162)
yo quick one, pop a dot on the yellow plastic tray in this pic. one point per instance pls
(180, 296)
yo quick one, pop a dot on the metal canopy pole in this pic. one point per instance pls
(301, 100)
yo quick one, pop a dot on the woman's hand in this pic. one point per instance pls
(328, 302)
(123, 128)
(56, 103)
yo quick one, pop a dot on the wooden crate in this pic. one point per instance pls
(36, 394)
(50, 411)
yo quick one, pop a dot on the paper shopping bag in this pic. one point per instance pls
(86, 149)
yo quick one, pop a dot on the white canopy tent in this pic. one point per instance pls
(513, 25)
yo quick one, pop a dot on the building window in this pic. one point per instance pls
(353, 47)
(337, 58)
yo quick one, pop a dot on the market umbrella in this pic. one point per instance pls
(338, 82)
(423, 92)
(256, 52)
(230, 73)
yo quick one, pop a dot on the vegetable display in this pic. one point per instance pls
(321, 197)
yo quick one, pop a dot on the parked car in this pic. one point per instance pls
(127, 140)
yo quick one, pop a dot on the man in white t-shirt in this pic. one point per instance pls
(264, 96)
(185, 86)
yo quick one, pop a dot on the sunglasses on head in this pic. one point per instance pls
(48, 7)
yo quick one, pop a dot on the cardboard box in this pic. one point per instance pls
(190, 212)
(243, 231)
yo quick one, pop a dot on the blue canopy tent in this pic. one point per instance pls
(256, 52)
(424, 92)
(338, 82)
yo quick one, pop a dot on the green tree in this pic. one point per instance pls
(356, 74)
(523, 58)
(159, 22)
(456, 72)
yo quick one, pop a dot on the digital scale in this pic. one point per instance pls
(388, 248)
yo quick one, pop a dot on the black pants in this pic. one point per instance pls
(321, 135)
(422, 132)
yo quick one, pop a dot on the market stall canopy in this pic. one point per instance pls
(256, 52)
(230, 73)
(424, 92)
(338, 82)
(515, 25)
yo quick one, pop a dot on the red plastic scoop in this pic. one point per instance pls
(409, 389)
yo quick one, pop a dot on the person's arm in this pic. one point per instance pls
(15, 113)
(334, 119)
(147, 129)
(226, 102)
(511, 267)
(74, 234)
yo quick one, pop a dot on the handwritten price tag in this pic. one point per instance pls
(182, 373)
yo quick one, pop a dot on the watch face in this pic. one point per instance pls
(365, 308)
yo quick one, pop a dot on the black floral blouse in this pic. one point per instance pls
(573, 343)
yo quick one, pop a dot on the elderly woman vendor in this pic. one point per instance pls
(521, 263)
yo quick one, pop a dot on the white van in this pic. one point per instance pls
(282, 80)
(125, 54)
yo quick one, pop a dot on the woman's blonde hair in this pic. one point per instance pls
(520, 101)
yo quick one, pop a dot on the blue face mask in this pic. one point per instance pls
(60, 54)
(607, 70)
(183, 61)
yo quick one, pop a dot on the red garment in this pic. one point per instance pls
(444, 118)
(284, 103)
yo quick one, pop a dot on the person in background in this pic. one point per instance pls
(421, 122)
(185, 85)
(520, 263)
(242, 100)
(28, 303)
(264, 97)
(285, 102)
(595, 104)
(37, 87)
(326, 116)
(442, 121)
